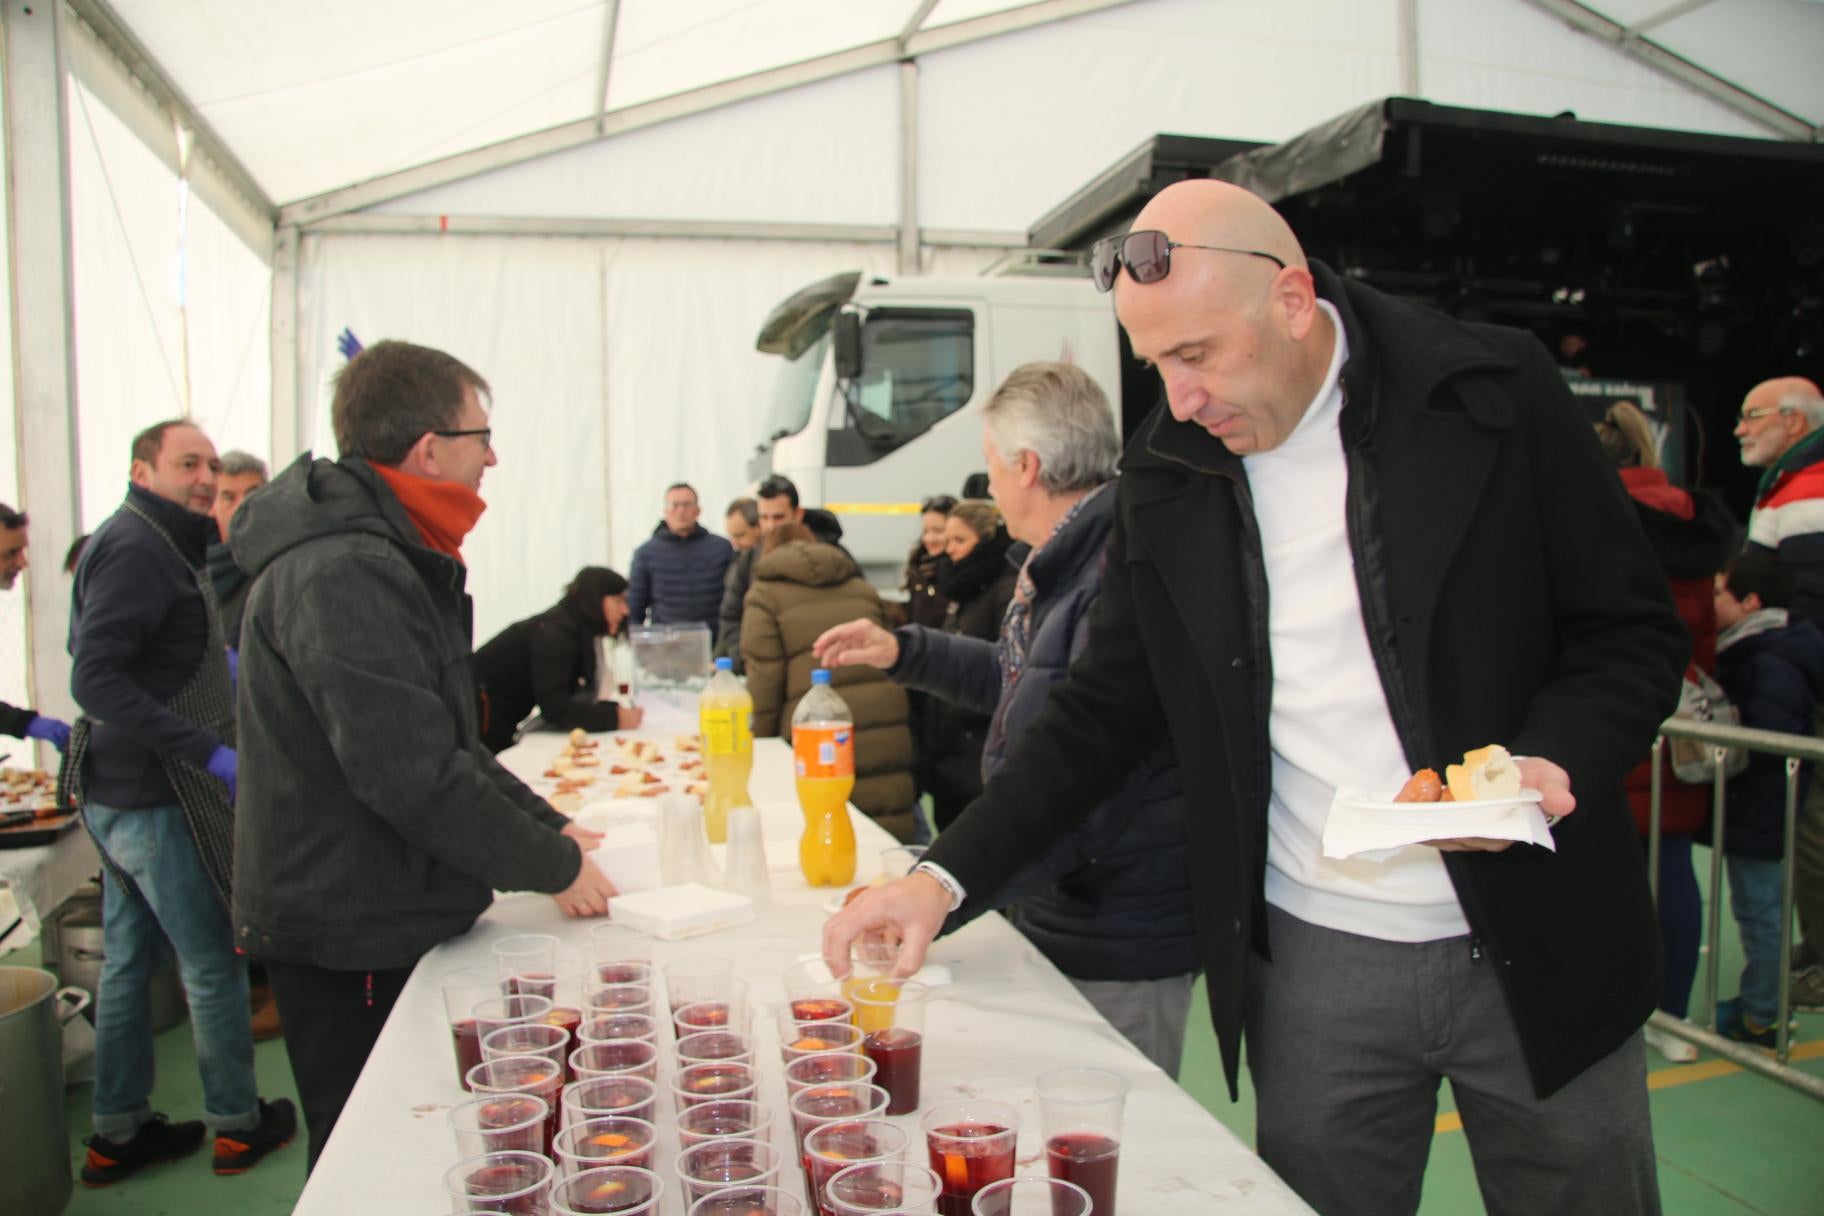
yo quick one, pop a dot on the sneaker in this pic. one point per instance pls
(1732, 1023)
(157, 1139)
(1808, 989)
(239, 1151)
(1674, 1049)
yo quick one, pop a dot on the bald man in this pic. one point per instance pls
(1359, 538)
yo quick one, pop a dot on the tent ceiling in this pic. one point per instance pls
(313, 98)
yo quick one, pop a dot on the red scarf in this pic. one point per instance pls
(443, 511)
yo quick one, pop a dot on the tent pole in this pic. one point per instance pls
(44, 322)
(289, 439)
(908, 167)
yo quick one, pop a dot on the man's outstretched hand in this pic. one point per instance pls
(1535, 774)
(910, 910)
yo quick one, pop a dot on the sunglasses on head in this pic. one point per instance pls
(1147, 254)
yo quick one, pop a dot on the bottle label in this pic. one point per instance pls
(718, 731)
(824, 751)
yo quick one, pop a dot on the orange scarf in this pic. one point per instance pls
(443, 511)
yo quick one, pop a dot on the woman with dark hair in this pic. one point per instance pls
(548, 663)
(978, 581)
(925, 604)
(1690, 533)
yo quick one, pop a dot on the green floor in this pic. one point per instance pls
(1729, 1142)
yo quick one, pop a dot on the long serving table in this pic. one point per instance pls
(1007, 1016)
(39, 879)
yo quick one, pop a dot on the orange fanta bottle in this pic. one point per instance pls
(823, 759)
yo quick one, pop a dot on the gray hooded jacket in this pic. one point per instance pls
(371, 824)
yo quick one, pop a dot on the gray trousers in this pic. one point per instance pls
(1150, 1013)
(1347, 1040)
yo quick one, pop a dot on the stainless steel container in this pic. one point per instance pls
(34, 1128)
(73, 948)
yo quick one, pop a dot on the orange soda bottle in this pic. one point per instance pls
(725, 715)
(823, 759)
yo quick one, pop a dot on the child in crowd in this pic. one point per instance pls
(1772, 667)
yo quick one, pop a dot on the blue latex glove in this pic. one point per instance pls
(234, 667)
(53, 732)
(348, 344)
(221, 765)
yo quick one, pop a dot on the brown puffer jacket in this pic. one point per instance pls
(800, 590)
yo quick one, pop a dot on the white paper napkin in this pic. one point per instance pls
(1374, 828)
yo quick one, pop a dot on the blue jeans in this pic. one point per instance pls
(1681, 917)
(176, 902)
(1754, 898)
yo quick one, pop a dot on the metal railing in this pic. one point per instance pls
(1796, 749)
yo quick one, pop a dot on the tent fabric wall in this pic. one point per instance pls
(618, 366)
(43, 578)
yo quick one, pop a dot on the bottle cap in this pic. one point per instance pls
(820, 676)
(725, 664)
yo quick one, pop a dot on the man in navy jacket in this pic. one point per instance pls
(677, 575)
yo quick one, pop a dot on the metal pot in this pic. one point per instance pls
(73, 947)
(34, 1127)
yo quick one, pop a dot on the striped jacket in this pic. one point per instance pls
(1788, 519)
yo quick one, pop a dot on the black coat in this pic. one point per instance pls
(925, 604)
(1508, 596)
(951, 734)
(1775, 679)
(547, 663)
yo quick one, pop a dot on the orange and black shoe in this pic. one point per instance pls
(157, 1139)
(238, 1152)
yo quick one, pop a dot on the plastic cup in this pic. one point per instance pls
(810, 980)
(517, 1184)
(616, 1058)
(822, 1103)
(723, 1119)
(971, 1144)
(891, 1017)
(750, 1201)
(533, 1075)
(713, 1165)
(830, 1148)
(1080, 1113)
(599, 999)
(800, 1039)
(828, 1068)
(463, 989)
(618, 955)
(621, 1189)
(721, 1013)
(1031, 1197)
(499, 1011)
(594, 1097)
(883, 1186)
(610, 1140)
(898, 862)
(527, 1039)
(499, 1123)
(713, 1082)
(714, 1046)
(617, 1027)
(526, 964)
(689, 980)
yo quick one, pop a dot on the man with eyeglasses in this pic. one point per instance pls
(14, 721)
(1782, 431)
(677, 575)
(374, 824)
(1358, 538)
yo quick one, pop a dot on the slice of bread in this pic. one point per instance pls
(1487, 772)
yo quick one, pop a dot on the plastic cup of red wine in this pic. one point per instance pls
(882, 1186)
(971, 1144)
(891, 1017)
(614, 1027)
(526, 964)
(712, 1165)
(831, 1147)
(1080, 1112)
(499, 1123)
(750, 1201)
(725, 1118)
(619, 1189)
(516, 1184)
(609, 1140)
(593, 1097)
(828, 1068)
(1031, 1196)
(616, 1058)
(463, 989)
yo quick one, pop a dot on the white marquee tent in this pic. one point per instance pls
(595, 202)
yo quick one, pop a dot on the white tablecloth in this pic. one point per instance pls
(39, 879)
(1008, 1016)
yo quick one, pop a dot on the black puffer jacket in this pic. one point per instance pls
(548, 663)
(952, 734)
(1112, 901)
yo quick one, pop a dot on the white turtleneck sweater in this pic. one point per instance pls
(1329, 724)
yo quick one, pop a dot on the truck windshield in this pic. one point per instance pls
(793, 391)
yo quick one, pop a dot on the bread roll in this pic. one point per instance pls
(1486, 773)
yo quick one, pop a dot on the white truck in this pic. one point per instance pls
(877, 404)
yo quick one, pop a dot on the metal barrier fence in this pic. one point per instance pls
(1796, 749)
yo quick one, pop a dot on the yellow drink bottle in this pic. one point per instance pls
(725, 715)
(823, 760)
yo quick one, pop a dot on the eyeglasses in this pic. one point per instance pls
(486, 434)
(1147, 254)
(1759, 411)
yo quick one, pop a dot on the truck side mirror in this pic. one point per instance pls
(847, 330)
